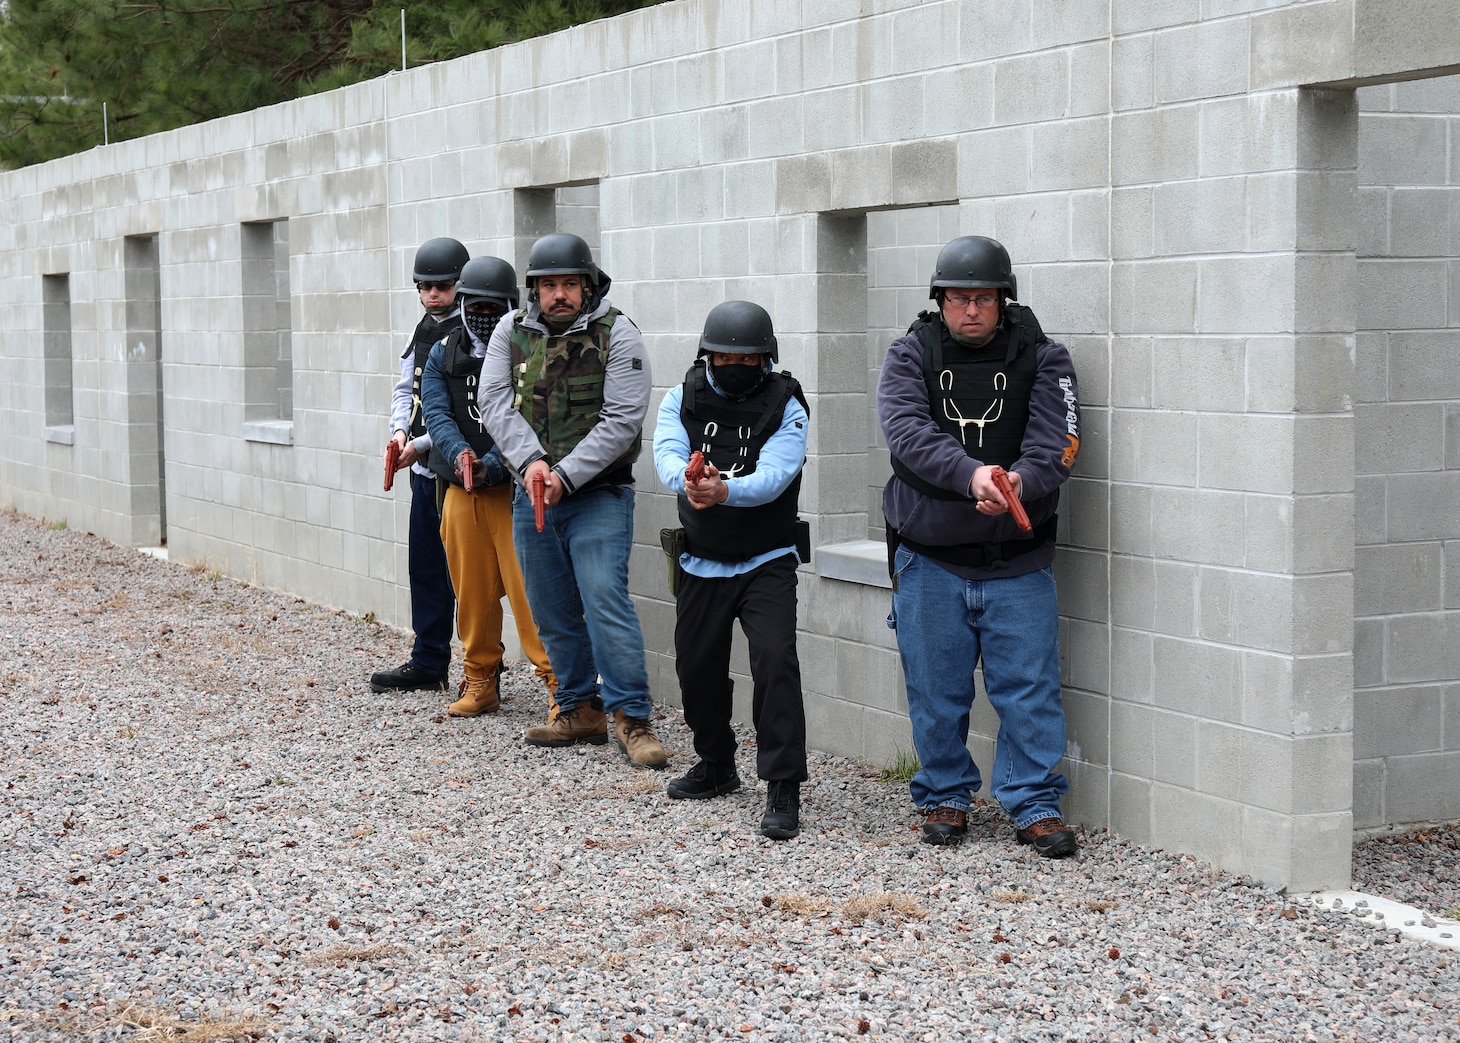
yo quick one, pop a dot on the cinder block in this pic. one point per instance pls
(1082, 583)
(992, 32)
(1197, 216)
(1031, 88)
(1155, 145)
(1134, 16)
(1392, 722)
(1405, 436)
(1132, 372)
(774, 127)
(1264, 465)
(1423, 647)
(1132, 72)
(1220, 765)
(994, 162)
(1368, 799)
(1173, 748)
(1072, 298)
(1198, 526)
(923, 171)
(1247, 609)
(1206, 373)
(1197, 678)
(1131, 665)
(1249, 134)
(1323, 613)
(1072, 154)
(1087, 723)
(834, 725)
(802, 184)
(833, 119)
(1153, 297)
(1203, 825)
(1421, 506)
(871, 677)
(1202, 61)
(1420, 367)
(1294, 46)
(860, 177)
(1421, 788)
(1237, 294)
(1131, 806)
(1401, 150)
(1160, 448)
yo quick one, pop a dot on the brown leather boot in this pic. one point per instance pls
(638, 742)
(476, 697)
(580, 724)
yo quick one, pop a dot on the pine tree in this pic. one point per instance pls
(161, 64)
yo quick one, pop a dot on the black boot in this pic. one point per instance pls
(408, 678)
(782, 819)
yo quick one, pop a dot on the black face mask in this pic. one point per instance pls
(736, 381)
(480, 323)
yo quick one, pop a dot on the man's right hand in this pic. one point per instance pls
(551, 484)
(408, 454)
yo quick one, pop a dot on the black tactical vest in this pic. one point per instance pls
(428, 332)
(463, 373)
(980, 396)
(731, 434)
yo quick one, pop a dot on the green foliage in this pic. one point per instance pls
(903, 767)
(161, 64)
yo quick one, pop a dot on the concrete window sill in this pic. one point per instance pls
(277, 432)
(61, 434)
(860, 561)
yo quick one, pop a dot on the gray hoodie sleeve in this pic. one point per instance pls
(514, 435)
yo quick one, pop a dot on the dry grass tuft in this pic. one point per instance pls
(352, 953)
(155, 1026)
(1100, 905)
(611, 791)
(1005, 894)
(803, 905)
(855, 909)
(879, 902)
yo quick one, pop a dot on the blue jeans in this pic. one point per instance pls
(577, 576)
(944, 625)
(433, 601)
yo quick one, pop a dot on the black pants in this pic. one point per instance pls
(764, 600)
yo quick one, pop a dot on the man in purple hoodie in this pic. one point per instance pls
(968, 390)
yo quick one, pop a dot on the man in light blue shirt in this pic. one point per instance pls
(741, 536)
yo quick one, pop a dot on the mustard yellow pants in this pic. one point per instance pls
(476, 529)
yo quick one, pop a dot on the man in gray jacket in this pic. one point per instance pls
(565, 386)
(973, 393)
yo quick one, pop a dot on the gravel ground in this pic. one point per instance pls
(211, 824)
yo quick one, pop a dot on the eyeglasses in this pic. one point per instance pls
(962, 301)
(440, 287)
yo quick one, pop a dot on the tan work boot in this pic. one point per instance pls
(476, 697)
(569, 727)
(638, 742)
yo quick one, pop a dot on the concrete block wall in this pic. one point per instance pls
(1407, 432)
(1177, 186)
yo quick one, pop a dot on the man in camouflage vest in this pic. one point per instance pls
(565, 387)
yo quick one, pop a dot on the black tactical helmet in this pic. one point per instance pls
(738, 328)
(973, 262)
(488, 278)
(562, 253)
(438, 260)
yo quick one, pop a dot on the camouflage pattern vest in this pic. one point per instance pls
(558, 388)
